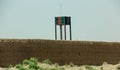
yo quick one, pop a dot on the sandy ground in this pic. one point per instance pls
(104, 66)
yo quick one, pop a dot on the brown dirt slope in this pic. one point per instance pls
(13, 51)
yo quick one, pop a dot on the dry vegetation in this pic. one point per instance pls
(33, 64)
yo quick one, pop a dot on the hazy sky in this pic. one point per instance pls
(92, 20)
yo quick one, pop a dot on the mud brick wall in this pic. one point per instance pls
(14, 51)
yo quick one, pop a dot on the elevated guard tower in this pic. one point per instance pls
(63, 21)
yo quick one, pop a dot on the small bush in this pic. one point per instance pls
(89, 67)
(26, 62)
(47, 61)
(18, 65)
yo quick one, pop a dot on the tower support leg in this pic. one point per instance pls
(61, 32)
(70, 32)
(65, 31)
(55, 32)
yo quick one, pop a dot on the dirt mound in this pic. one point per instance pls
(13, 51)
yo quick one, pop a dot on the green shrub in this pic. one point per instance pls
(23, 68)
(62, 68)
(89, 67)
(26, 62)
(18, 65)
(54, 69)
(33, 59)
(40, 68)
(47, 61)
(32, 65)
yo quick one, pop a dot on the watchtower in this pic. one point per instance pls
(63, 21)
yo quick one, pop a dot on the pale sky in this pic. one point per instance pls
(92, 20)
